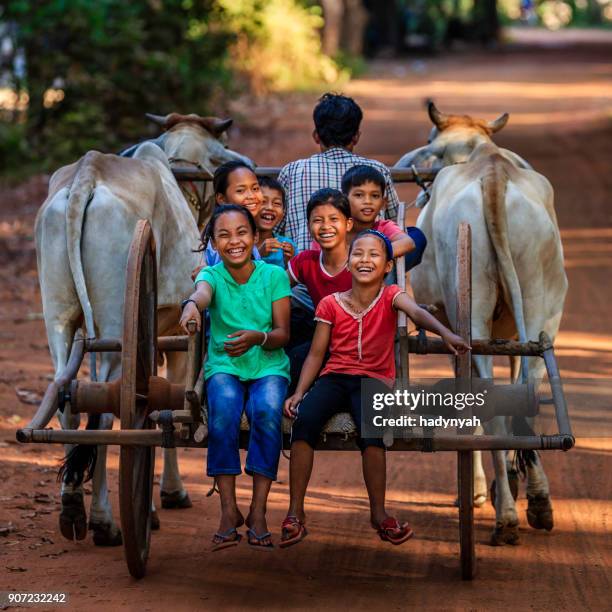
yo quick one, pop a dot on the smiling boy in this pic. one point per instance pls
(273, 247)
(365, 189)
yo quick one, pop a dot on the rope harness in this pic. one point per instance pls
(190, 190)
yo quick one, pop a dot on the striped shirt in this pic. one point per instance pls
(303, 177)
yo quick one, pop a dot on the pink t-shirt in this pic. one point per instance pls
(384, 226)
(307, 268)
(361, 344)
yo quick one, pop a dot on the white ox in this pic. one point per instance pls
(518, 279)
(83, 233)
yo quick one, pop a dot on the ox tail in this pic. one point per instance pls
(79, 463)
(494, 184)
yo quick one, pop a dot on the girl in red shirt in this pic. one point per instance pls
(358, 328)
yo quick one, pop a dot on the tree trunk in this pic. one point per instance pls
(356, 20)
(486, 21)
(333, 12)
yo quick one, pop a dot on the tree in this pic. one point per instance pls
(92, 69)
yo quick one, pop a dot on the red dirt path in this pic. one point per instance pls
(560, 102)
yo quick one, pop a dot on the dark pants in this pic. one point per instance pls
(331, 394)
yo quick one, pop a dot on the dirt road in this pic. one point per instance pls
(560, 103)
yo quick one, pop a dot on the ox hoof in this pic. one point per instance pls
(106, 534)
(73, 518)
(479, 500)
(540, 512)
(155, 524)
(175, 500)
(505, 534)
(513, 481)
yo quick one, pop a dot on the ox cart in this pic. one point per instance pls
(154, 412)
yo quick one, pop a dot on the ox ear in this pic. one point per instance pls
(499, 123)
(216, 126)
(421, 157)
(437, 118)
(158, 119)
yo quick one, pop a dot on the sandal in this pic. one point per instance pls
(227, 539)
(293, 531)
(256, 541)
(390, 530)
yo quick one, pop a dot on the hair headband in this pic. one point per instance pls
(373, 232)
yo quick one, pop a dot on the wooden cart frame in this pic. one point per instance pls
(154, 412)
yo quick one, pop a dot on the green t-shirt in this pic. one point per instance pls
(247, 306)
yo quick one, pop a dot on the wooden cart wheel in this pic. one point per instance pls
(463, 371)
(138, 362)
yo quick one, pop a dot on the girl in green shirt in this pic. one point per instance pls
(246, 369)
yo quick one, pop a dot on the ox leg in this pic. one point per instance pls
(480, 480)
(173, 494)
(105, 531)
(73, 517)
(539, 508)
(62, 312)
(506, 519)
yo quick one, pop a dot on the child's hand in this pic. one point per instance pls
(242, 341)
(288, 250)
(190, 313)
(196, 271)
(291, 403)
(455, 343)
(269, 245)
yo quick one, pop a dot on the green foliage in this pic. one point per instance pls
(277, 46)
(94, 68)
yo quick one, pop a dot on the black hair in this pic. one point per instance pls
(337, 119)
(223, 209)
(272, 183)
(358, 175)
(372, 232)
(222, 174)
(333, 197)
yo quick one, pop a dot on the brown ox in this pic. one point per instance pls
(518, 279)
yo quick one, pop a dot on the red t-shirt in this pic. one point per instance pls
(307, 268)
(361, 344)
(384, 226)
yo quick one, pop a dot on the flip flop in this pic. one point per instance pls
(294, 529)
(390, 530)
(227, 539)
(256, 541)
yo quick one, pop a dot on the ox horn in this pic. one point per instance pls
(499, 123)
(437, 118)
(421, 157)
(158, 119)
(216, 126)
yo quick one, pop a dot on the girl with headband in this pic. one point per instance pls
(358, 328)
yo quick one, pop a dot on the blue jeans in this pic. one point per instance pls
(262, 400)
